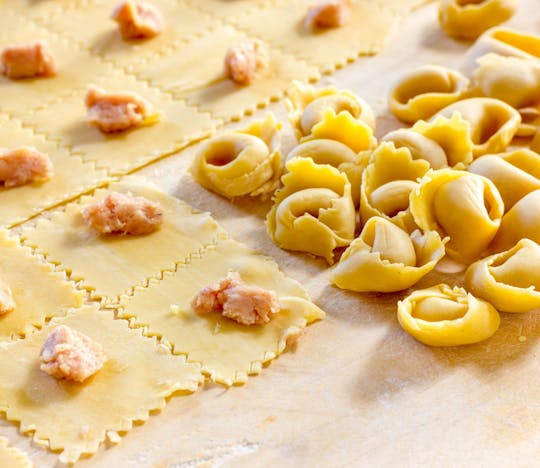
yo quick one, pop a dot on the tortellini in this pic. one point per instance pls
(465, 207)
(385, 258)
(510, 280)
(314, 211)
(387, 182)
(515, 174)
(242, 162)
(530, 123)
(445, 316)
(425, 91)
(493, 123)
(467, 19)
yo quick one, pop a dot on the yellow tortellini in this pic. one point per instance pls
(530, 123)
(313, 211)
(515, 174)
(425, 91)
(468, 19)
(387, 182)
(445, 316)
(385, 258)
(465, 207)
(493, 123)
(510, 280)
(241, 162)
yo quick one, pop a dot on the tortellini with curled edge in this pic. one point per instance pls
(313, 212)
(493, 123)
(385, 258)
(241, 162)
(515, 174)
(468, 19)
(387, 182)
(510, 280)
(445, 316)
(425, 91)
(465, 207)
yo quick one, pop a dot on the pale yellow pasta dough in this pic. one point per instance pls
(73, 417)
(384, 258)
(445, 316)
(426, 90)
(108, 265)
(313, 211)
(510, 280)
(227, 351)
(530, 122)
(241, 162)
(11, 457)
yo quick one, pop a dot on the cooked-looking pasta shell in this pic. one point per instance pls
(425, 91)
(465, 207)
(493, 123)
(314, 211)
(467, 19)
(510, 280)
(385, 258)
(445, 316)
(522, 221)
(242, 162)
(515, 174)
(530, 123)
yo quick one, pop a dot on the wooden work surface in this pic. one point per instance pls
(357, 390)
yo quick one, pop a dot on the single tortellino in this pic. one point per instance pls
(521, 222)
(313, 211)
(338, 155)
(513, 80)
(242, 162)
(385, 258)
(387, 182)
(465, 207)
(445, 316)
(425, 91)
(493, 123)
(515, 174)
(468, 19)
(510, 280)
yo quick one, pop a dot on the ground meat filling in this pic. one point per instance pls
(7, 303)
(234, 299)
(331, 14)
(71, 355)
(23, 165)
(244, 60)
(28, 61)
(138, 20)
(119, 213)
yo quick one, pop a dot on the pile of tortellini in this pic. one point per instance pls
(454, 184)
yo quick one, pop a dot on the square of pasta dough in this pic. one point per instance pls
(76, 417)
(229, 10)
(228, 351)
(39, 292)
(203, 83)
(109, 265)
(121, 152)
(11, 457)
(71, 176)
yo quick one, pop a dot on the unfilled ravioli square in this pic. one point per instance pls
(74, 417)
(230, 10)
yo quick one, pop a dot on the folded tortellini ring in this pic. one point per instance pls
(515, 174)
(313, 212)
(425, 91)
(385, 258)
(445, 316)
(387, 182)
(242, 162)
(465, 207)
(509, 280)
(493, 123)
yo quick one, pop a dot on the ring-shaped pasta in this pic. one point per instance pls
(463, 206)
(493, 123)
(313, 212)
(241, 162)
(445, 316)
(515, 174)
(385, 258)
(509, 280)
(468, 19)
(425, 91)
(421, 147)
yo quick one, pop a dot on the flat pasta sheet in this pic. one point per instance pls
(11, 457)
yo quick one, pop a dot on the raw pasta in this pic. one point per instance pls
(421, 147)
